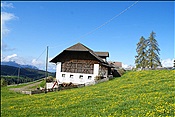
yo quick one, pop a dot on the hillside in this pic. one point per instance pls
(24, 72)
(10, 73)
(13, 71)
(141, 93)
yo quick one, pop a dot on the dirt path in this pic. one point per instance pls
(26, 88)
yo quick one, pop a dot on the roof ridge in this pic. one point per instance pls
(81, 47)
(78, 47)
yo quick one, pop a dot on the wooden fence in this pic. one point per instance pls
(38, 91)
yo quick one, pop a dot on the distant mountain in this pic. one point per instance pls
(29, 66)
(9, 75)
(14, 64)
(23, 72)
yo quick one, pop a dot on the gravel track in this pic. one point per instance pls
(26, 88)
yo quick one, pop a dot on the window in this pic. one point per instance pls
(63, 75)
(81, 77)
(89, 77)
(71, 76)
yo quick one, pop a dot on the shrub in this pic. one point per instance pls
(98, 78)
(3, 82)
(50, 79)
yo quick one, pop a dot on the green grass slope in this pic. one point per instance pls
(142, 93)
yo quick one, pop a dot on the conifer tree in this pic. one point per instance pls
(153, 51)
(141, 58)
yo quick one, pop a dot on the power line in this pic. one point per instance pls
(105, 23)
(41, 54)
(15, 71)
(109, 20)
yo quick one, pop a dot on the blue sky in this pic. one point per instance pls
(28, 27)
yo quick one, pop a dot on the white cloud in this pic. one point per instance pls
(6, 5)
(50, 58)
(16, 58)
(9, 58)
(167, 62)
(36, 62)
(40, 64)
(51, 67)
(127, 67)
(5, 47)
(124, 65)
(5, 17)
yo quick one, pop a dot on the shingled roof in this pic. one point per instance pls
(81, 47)
(115, 64)
(102, 54)
(78, 47)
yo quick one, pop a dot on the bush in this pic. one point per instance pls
(50, 79)
(98, 78)
(3, 82)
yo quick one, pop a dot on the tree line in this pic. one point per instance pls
(9, 75)
(148, 53)
(10, 80)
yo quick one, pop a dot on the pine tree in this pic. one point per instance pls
(153, 51)
(141, 58)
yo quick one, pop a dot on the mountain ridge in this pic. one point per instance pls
(15, 75)
(24, 72)
(14, 64)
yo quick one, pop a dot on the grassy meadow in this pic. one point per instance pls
(136, 93)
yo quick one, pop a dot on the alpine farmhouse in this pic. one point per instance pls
(80, 65)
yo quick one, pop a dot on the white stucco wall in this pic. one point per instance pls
(76, 78)
(96, 69)
(58, 69)
(50, 85)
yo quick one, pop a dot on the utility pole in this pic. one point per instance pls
(46, 74)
